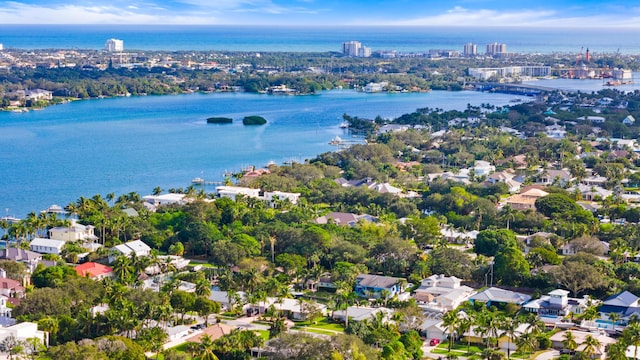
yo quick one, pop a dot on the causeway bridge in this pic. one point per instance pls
(510, 88)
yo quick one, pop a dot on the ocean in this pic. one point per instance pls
(120, 145)
(317, 39)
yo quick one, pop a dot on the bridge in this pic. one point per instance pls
(515, 89)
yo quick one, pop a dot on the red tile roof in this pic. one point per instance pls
(93, 269)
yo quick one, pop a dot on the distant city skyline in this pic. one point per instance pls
(541, 13)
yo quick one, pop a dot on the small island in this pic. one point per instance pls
(254, 120)
(219, 120)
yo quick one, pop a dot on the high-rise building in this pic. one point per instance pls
(114, 45)
(351, 48)
(364, 51)
(470, 49)
(495, 48)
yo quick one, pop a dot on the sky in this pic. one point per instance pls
(533, 13)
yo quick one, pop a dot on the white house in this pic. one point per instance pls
(46, 246)
(232, 192)
(442, 293)
(136, 246)
(73, 232)
(271, 196)
(23, 331)
(483, 168)
(165, 199)
(629, 120)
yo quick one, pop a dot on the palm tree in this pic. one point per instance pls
(591, 344)
(124, 269)
(203, 287)
(510, 325)
(526, 343)
(569, 341)
(631, 336)
(464, 325)
(206, 348)
(450, 320)
(617, 351)
(614, 317)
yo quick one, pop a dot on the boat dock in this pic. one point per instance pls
(201, 181)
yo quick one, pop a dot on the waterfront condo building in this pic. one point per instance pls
(355, 48)
(495, 48)
(114, 45)
(470, 50)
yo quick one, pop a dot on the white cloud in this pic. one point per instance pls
(17, 13)
(459, 16)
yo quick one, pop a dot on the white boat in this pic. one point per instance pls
(344, 125)
(197, 181)
(270, 163)
(336, 141)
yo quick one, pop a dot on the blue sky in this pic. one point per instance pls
(540, 13)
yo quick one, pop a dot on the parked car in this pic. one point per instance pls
(434, 342)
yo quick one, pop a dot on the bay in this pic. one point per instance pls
(318, 39)
(121, 145)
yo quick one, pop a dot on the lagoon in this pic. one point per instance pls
(121, 145)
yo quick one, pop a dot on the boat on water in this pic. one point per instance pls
(336, 141)
(198, 181)
(344, 125)
(618, 82)
(270, 163)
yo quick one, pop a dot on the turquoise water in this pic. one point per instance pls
(120, 145)
(300, 39)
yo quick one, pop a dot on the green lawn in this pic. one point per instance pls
(323, 324)
(457, 348)
(263, 334)
(315, 331)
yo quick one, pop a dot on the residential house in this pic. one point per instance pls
(461, 176)
(359, 313)
(28, 257)
(625, 304)
(132, 247)
(557, 303)
(73, 232)
(11, 288)
(556, 131)
(222, 297)
(214, 332)
(5, 312)
(272, 196)
(295, 309)
(525, 200)
(24, 331)
(593, 119)
(165, 199)
(442, 293)
(232, 192)
(559, 177)
(349, 219)
(46, 246)
(505, 177)
(494, 295)
(483, 168)
(374, 286)
(594, 180)
(629, 120)
(453, 236)
(590, 192)
(94, 271)
(434, 329)
(557, 341)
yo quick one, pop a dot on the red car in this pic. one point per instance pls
(434, 342)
